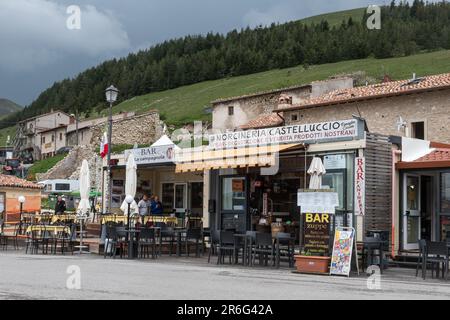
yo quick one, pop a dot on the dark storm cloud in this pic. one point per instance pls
(37, 49)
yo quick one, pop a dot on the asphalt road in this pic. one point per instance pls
(46, 277)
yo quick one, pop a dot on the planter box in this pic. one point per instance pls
(312, 264)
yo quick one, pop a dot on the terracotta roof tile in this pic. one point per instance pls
(436, 155)
(264, 121)
(12, 181)
(376, 91)
(262, 93)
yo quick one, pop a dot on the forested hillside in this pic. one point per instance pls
(406, 29)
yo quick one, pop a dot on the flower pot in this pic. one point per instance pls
(312, 264)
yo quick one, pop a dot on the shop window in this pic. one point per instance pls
(233, 194)
(336, 182)
(230, 110)
(418, 130)
(167, 195)
(445, 192)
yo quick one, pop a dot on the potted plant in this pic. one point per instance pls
(305, 262)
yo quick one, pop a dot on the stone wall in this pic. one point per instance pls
(382, 114)
(141, 129)
(69, 167)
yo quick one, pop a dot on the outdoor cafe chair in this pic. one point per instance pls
(284, 247)
(166, 238)
(437, 253)
(34, 239)
(226, 246)
(14, 236)
(373, 247)
(64, 241)
(3, 238)
(251, 238)
(263, 248)
(147, 240)
(214, 243)
(114, 240)
(193, 236)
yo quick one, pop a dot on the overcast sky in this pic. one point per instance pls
(37, 48)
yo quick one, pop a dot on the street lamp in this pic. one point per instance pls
(111, 97)
(129, 200)
(21, 200)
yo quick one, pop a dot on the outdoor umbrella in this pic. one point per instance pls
(316, 171)
(130, 185)
(85, 188)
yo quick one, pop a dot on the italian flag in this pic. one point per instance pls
(104, 145)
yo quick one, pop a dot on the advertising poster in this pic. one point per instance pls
(341, 260)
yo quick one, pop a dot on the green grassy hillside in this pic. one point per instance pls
(336, 18)
(185, 104)
(7, 107)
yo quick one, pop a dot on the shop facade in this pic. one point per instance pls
(255, 175)
(424, 193)
(180, 194)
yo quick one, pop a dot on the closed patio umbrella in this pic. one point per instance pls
(85, 188)
(316, 171)
(84, 205)
(130, 185)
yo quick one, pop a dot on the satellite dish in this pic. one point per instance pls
(401, 124)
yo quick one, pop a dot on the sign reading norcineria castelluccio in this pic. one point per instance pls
(152, 155)
(314, 132)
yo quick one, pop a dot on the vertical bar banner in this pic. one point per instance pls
(360, 186)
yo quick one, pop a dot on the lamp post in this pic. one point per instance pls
(129, 200)
(21, 200)
(111, 97)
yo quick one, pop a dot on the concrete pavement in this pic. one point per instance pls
(46, 277)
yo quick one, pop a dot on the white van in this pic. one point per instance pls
(60, 186)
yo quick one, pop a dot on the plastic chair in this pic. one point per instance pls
(263, 248)
(226, 246)
(147, 239)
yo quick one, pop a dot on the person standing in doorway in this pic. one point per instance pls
(144, 207)
(156, 206)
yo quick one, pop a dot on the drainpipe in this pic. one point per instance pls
(395, 153)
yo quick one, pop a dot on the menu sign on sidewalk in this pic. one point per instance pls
(341, 259)
(317, 233)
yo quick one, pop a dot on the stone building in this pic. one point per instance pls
(52, 140)
(128, 128)
(416, 108)
(83, 128)
(27, 142)
(236, 112)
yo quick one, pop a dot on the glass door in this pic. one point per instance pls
(411, 211)
(180, 197)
